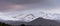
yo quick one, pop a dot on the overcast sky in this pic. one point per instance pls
(13, 5)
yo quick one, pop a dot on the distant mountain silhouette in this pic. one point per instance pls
(37, 22)
(43, 22)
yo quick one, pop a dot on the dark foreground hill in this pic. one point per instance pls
(36, 22)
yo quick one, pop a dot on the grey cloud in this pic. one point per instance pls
(29, 4)
(7, 4)
(21, 1)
